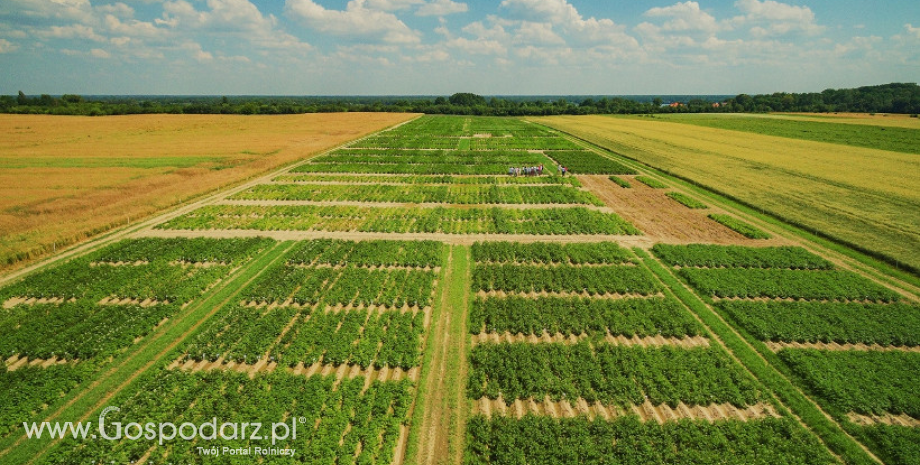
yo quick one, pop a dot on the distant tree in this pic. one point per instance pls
(21, 99)
(71, 98)
(440, 101)
(466, 99)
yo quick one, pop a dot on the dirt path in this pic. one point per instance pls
(620, 340)
(777, 346)
(646, 411)
(585, 294)
(340, 372)
(662, 218)
(886, 419)
(16, 362)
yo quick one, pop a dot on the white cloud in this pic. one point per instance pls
(117, 9)
(355, 20)
(686, 16)
(912, 31)
(442, 8)
(478, 46)
(391, 5)
(771, 18)
(74, 31)
(561, 13)
(7, 46)
(537, 34)
(100, 53)
(74, 10)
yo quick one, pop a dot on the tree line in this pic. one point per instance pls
(889, 98)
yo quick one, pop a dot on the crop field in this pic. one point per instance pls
(63, 180)
(427, 295)
(860, 196)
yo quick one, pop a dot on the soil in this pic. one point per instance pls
(546, 338)
(777, 346)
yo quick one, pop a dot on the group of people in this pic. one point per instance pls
(526, 171)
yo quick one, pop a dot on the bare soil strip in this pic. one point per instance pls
(148, 302)
(452, 239)
(585, 294)
(558, 264)
(348, 203)
(620, 340)
(646, 411)
(16, 362)
(14, 301)
(414, 309)
(777, 346)
(340, 372)
(339, 266)
(792, 299)
(102, 263)
(886, 419)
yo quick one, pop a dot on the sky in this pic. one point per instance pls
(438, 47)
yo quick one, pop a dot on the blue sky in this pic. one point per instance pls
(438, 47)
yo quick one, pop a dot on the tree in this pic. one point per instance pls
(467, 99)
(21, 99)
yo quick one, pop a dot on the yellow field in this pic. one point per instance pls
(63, 178)
(868, 197)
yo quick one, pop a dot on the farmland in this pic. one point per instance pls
(427, 294)
(63, 180)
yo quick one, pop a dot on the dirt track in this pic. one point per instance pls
(777, 346)
(886, 419)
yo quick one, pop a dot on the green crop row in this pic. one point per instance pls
(575, 315)
(778, 283)
(610, 374)
(396, 179)
(332, 422)
(651, 182)
(417, 142)
(620, 182)
(550, 252)
(245, 334)
(196, 250)
(493, 169)
(537, 440)
(564, 278)
(526, 143)
(733, 256)
(844, 323)
(864, 382)
(457, 157)
(739, 226)
(367, 253)
(29, 389)
(403, 220)
(588, 162)
(454, 194)
(686, 200)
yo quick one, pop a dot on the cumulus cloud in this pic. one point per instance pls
(442, 8)
(686, 16)
(99, 53)
(912, 31)
(7, 46)
(771, 18)
(537, 34)
(585, 31)
(355, 20)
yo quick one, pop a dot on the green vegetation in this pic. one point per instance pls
(549, 252)
(749, 283)
(620, 182)
(404, 220)
(627, 441)
(614, 279)
(895, 445)
(843, 323)
(575, 315)
(861, 382)
(686, 200)
(739, 226)
(453, 193)
(29, 389)
(396, 179)
(733, 256)
(610, 374)
(857, 135)
(588, 162)
(651, 182)
(381, 253)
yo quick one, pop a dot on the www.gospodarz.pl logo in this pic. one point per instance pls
(167, 431)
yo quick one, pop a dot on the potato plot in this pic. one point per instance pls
(585, 332)
(850, 342)
(59, 326)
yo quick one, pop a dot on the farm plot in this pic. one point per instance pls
(422, 162)
(433, 180)
(549, 221)
(334, 419)
(27, 390)
(588, 162)
(450, 194)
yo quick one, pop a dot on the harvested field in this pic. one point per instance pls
(646, 411)
(67, 178)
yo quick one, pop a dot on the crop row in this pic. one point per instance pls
(621, 182)
(396, 179)
(156, 280)
(651, 182)
(863, 382)
(779, 283)
(739, 226)
(28, 390)
(342, 286)
(526, 143)
(686, 200)
(898, 445)
(196, 250)
(245, 334)
(76, 330)
(417, 142)
(588, 162)
(627, 441)
(575, 315)
(550, 252)
(493, 169)
(564, 278)
(367, 253)
(733, 256)
(332, 423)
(403, 220)
(843, 323)
(610, 374)
(455, 194)
(352, 156)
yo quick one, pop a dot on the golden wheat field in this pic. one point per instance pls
(867, 197)
(64, 178)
